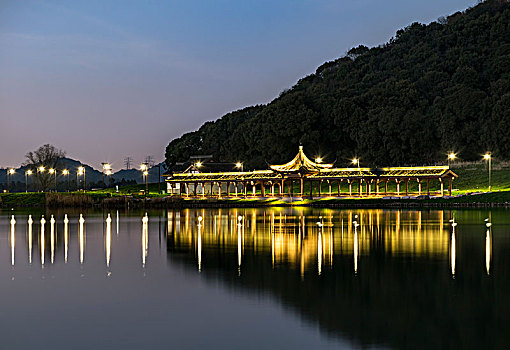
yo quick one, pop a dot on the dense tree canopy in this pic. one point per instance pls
(431, 89)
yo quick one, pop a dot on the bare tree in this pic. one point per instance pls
(48, 157)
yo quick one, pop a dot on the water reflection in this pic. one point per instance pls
(395, 278)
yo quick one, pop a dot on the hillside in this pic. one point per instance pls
(431, 89)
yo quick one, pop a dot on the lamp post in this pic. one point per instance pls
(53, 172)
(27, 173)
(355, 161)
(240, 165)
(65, 172)
(488, 157)
(10, 172)
(106, 168)
(451, 158)
(40, 170)
(144, 167)
(81, 171)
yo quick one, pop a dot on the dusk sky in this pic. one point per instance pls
(104, 80)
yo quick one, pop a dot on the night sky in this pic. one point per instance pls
(108, 79)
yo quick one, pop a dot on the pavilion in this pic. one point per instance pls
(303, 173)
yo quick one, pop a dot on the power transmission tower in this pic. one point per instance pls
(127, 162)
(149, 160)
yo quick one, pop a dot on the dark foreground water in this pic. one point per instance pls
(255, 279)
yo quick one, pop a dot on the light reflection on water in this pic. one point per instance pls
(365, 277)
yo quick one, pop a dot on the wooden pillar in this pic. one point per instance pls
(245, 189)
(181, 185)
(262, 189)
(419, 186)
(203, 189)
(171, 190)
(386, 187)
(369, 187)
(450, 185)
(407, 187)
(428, 187)
(359, 188)
(442, 186)
(187, 189)
(330, 184)
(398, 187)
(302, 187)
(272, 189)
(254, 189)
(338, 184)
(291, 188)
(350, 188)
(320, 185)
(219, 189)
(311, 188)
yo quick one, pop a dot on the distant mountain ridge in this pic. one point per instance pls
(91, 175)
(431, 89)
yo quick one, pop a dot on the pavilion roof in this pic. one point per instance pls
(300, 163)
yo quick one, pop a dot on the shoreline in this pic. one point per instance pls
(106, 200)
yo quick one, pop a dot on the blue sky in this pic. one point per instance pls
(108, 79)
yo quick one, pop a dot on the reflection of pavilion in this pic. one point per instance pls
(280, 180)
(307, 241)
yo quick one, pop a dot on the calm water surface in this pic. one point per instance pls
(255, 278)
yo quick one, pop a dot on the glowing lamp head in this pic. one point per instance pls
(51, 171)
(108, 172)
(41, 169)
(143, 167)
(107, 166)
(11, 171)
(198, 164)
(318, 160)
(452, 156)
(28, 172)
(81, 170)
(239, 165)
(65, 172)
(487, 156)
(145, 173)
(355, 161)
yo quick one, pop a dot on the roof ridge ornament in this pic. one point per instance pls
(300, 163)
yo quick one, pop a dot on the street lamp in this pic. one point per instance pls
(106, 170)
(488, 157)
(144, 167)
(65, 172)
(451, 158)
(198, 164)
(53, 171)
(81, 171)
(10, 172)
(240, 165)
(27, 173)
(355, 161)
(318, 160)
(40, 170)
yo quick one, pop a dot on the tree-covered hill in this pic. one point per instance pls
(431, 89)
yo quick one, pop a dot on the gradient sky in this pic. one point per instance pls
(108, 79)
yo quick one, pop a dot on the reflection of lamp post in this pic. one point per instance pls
(488, 157)
(65, 172)
(27, 173)
(451, 157)
(10, 172)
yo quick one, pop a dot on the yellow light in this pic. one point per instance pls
(355, 161)
(29, 172)
(239, 165)
(41, 169)
(452, 156)
(145, 173)
(318, 160)
(11, 171)
(108, 172)
(81, 170)
(65, 172)
(51, 171)
(107, 166)
(487, 156)
(143, 167)
(199, 164)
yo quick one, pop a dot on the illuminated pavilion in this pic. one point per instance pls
(302, 173)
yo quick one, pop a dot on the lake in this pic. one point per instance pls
(255, 278)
